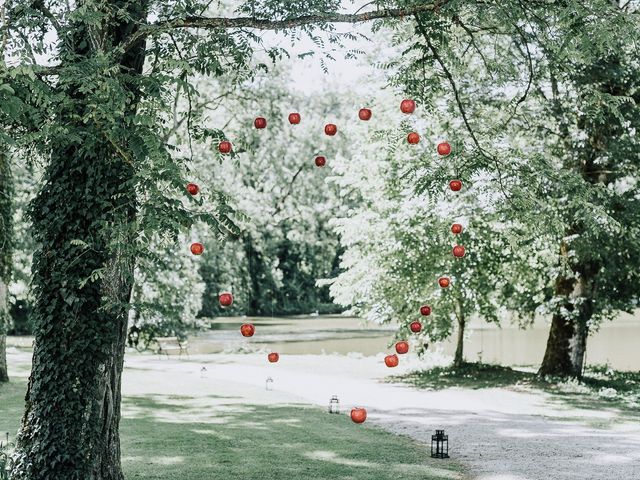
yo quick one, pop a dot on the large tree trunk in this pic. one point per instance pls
(567, 342)
(83, 221)
(4, 316)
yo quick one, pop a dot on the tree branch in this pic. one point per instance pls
(264, 24)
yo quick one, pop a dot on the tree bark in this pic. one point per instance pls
(70, 428)
(6, 250)
(458, 358)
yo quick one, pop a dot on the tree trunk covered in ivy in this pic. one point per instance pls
(458, 358)
(83, 221)
(6, 243)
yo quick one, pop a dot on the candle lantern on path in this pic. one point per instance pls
(334, 404)
(440, 445)
(269, 384)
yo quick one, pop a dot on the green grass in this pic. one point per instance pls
(168, 437)
(599, 388)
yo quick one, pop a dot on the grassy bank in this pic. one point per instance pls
(181, 438)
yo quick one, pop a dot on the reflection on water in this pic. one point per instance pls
(616, 343)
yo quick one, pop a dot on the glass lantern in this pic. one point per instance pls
(334, 404)
(269, 384)
(440, 445)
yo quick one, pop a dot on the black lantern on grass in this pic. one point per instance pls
(440, 445)
(334, 404)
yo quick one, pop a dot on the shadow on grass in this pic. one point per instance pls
(599, 389)
(163, 440)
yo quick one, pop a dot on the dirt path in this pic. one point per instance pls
(498, 434)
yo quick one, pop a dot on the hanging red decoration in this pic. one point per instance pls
(456, 228)
(330, 129)
(444, 148)
(415, 327)
(260, 122)
(247, 330)
(425, 310)
(408, 106)
(224, 147)
(413, 138)
(391, 361)
(192, 188)
(444, 282)
(458, 251)
(273, 357)
(364, 114)
(294, 118)
(320, 161)
(197, 248)
(358, 415)
(402, 347)
(225, 299)
(455, 185)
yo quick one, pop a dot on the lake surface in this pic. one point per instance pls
(617, 343)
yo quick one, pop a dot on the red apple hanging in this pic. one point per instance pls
(458, 251)
(444, 148)
(320, 161)
(247, 330)
(415, 327)
(444, 282)
(425, 310)
(364, 114)
(225, 299)
(192, 188)
(260, 122)
(330, 129)
(391, 361)
(402, 347)
(456, 228)
(197, 248)
(455, 185)
(413, 138)
(294, 118)
(407, 106)
(273, 357)
(358, 415)
(224, 147)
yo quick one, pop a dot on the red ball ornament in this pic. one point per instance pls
(444, 148)
(224, 147)
(294, 118)
(247, 330)
(444, 282)
(455, 185)
(402, 347)
(413, 138)
(364, 114)
(192, 188)
(320, 161)
(358, 415)
(330, 129)
(425, 310)
(391, 361)
(273, 357)
(260, 122)
(408, 106)
(456, 228)
(458, 251)
(197, 248)
(415, 327)
(225, 299)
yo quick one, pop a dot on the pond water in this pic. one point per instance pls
(617, 343)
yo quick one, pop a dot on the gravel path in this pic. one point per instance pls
(498, 434)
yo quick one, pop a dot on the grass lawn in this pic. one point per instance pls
(182, 438)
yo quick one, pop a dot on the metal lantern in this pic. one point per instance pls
(334, 404)
(440, 445)
(269, 384)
